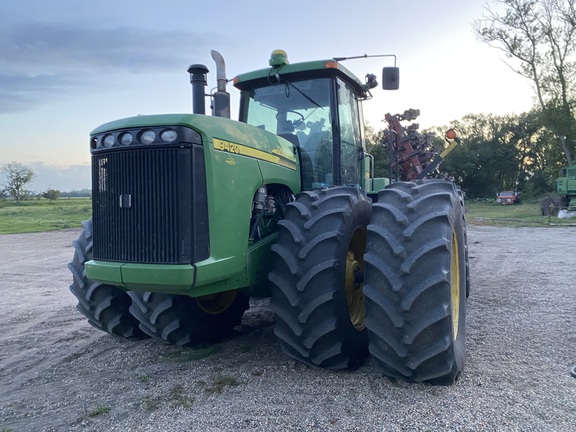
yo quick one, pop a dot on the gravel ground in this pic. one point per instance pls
(59, 374)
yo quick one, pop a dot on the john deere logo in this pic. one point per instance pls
(230, 160)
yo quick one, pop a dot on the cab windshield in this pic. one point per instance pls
(302, 113)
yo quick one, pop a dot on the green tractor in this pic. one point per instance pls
(194, 214)
(566, 188)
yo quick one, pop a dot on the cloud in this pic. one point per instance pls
(40, 61)
(19, 92)
(68, 178)
(55, 47)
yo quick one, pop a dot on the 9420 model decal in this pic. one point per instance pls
(277, 157)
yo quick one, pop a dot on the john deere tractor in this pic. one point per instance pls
(194, 214)
(566, 188)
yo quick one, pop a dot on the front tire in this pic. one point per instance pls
(416, 282)
(105, 306)
(183, 320)
(316, 278)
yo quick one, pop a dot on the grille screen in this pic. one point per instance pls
(143, 204)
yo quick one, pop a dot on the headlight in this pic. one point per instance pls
(108, 140)
(168, 135)
(126, 138)
(147, 137)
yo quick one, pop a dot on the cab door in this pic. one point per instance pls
(350, 134)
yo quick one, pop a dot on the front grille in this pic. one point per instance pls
(148, 205)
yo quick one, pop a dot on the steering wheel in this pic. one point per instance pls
(298, 121)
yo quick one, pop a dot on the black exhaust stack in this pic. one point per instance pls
(221, 104)
(198, 80)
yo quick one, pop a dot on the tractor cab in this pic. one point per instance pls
(317, 107)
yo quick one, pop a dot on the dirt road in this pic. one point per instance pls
(59, 374)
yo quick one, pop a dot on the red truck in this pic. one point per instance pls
(508, 197)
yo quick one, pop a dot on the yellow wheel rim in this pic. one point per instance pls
(354, 289)
(455, 285)
(215, 304)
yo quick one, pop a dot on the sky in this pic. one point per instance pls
(67, 66)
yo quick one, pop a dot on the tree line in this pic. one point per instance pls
(521, 152)
(498, 152)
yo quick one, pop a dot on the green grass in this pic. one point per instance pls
(221, 382)
(494, 210)
(98, 411)
(524, 214)
(179, 397)
(43, 215)
(186, 355)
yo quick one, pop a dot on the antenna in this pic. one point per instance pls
(338, 59)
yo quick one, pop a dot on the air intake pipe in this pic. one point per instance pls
(221, 105)
(198, 80)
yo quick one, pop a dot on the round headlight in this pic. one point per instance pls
(126, 138)
(108, 141)
(147, 137)
(168, 135)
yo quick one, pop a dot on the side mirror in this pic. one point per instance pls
(390, 78)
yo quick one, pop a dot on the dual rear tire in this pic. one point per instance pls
(316, 278)
(349, 278)
(416, 282)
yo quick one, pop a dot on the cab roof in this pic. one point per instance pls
(303, 70)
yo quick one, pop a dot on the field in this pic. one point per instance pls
(524, 214)
(43, 215)
(526, 211)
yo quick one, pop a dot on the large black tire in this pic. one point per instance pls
(316, 278)
(415, 284)
(105, 306)
(463, 213)
(183, 320)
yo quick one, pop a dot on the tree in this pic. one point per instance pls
(51, 194)
(17, 176)
(540, 37)
(487, 160)
(510, 152)
(497, 153)
(375, 147)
